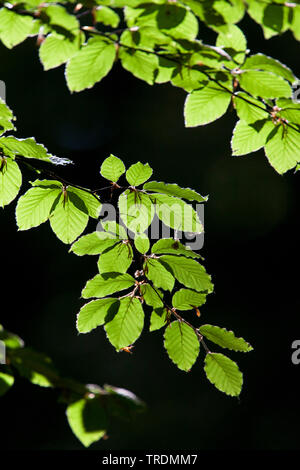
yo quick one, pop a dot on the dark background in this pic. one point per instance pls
(251, 250)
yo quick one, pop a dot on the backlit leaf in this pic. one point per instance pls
(171, 246)
(106, 284)
(186, 299)
(158, 274)
(87, 419)
(10, 180)
(138, 173)
(223, 373)
(112, 168)
(283, 148)
(90, 64)
(126, 325)
(35, 206)
(116, 259)
(205, 105)
(94, 243)
(224, 338)
(182, 344)
(94, 313)
(188, 271)
(264, 84)
(6, 381)
(174, 190)
(158, 319)
(248, 138)
(14, 28)
(69, 218)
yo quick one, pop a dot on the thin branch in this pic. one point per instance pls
(83, 13)
(59, 178)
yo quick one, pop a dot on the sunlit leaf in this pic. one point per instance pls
(223, 373)
(126, 325)
(182, 344)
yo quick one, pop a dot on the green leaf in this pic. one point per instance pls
(145, 38)
(138, 173)
(206, 105)
(142, 243)
(165, 70)
(264, 84)
(14, 28)
(289, 110)
(295, 24)
(10, 340)
(174, 190)
(141, 64)
(208, 13)
(6, 118)
(107, 16)
(6, 382)
(36, 28)
(283, 148)
(176, 213)
(116, 259)
(110, 226)
(112, 168)
(61, 23)
(249, 109)
(152, 297)
(94, 243)
(87, 420)
(170, 18)
(106, 284)
(224, 338)
(158, 319)
(28, 148)
(211, 56)
(90, 64)
(248, 138)
(10, 180)
(136, 210)
(186, 299)
(223, 373)
(55, 51)
(188, 271)
(69, 218)
(182, 345)
(94, 314)
(34, 366)
(232, 12)
(171, 246)
(188, 78)
(47, 184)
(35, 206)
(233, 41)
(126, 325)
(158, 274)
(273, 18)
(91, 203)
(5, 111)
(264, 62)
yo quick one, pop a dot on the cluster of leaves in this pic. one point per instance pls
(167, 276)
(90, 408)
(167, 270)
(158, 42)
